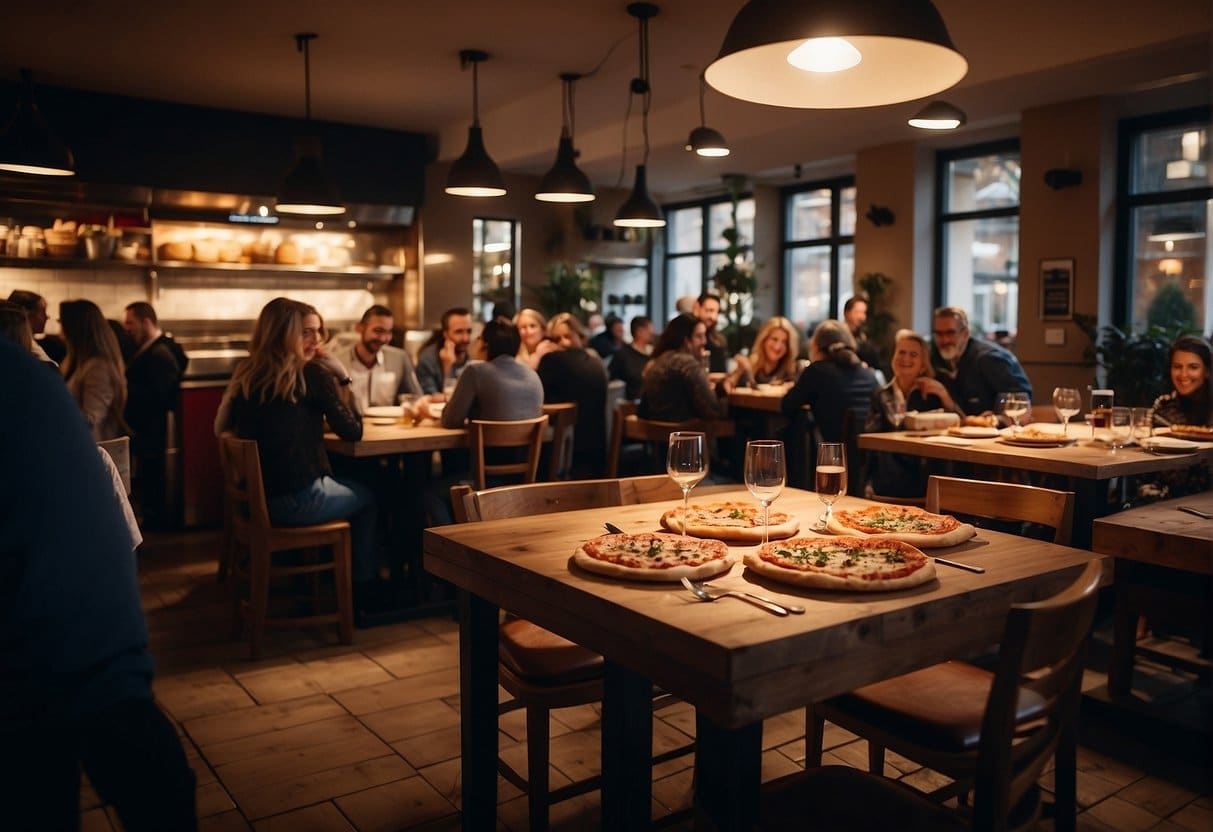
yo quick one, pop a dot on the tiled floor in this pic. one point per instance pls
(322, 737)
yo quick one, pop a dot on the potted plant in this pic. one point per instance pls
(575, 289)
(735, 281)
(881, 324)
(1133, 361)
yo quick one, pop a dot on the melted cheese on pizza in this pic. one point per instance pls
(654, 551)
(867, 560)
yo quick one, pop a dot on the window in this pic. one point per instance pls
(978, 235)
(695, 245)
(1163, 227)
(818, 251)
(494, 265)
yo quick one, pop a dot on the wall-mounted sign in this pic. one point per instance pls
(1057, 289)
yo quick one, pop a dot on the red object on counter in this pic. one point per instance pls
(202, 486)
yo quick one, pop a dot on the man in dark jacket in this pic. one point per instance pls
(974, 372)
(153, 384)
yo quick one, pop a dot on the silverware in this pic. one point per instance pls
(703, 595)
(1196, 511)
(613, 529)
(955, 565)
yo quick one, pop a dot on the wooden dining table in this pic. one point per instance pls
(1085, 465)
(736, 663)
(1142, 539)
(768, 399)
(397, 438)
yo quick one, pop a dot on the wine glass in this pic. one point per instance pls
(1067, 402)
(895, 410)
(831, 476)
(687, 464)
(1120, 428)
(765, 474)
(1015, 405)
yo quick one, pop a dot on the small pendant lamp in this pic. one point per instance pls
(938, 115)
(703, 139)
(307, 189)
(639, 210)
(474, 173)
(28, 145)
(565, 182)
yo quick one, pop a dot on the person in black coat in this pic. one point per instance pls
(574, 374)
(974, 371)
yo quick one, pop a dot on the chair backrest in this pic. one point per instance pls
(628, 425)
(650, 489)
(523, 433)
(120, 452)
(243, 488)
(1042, 651)
(562, 416)
(1004, 501)
(552, 497)
(616, 390)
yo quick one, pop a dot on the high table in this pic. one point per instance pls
(1088, 466)
(1155, 535)
(734, 662)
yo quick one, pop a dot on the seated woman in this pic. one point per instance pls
(533, 336)
(773, 358)
(93, 368)
(575, 374)
(676, 387)
(281, 397)
(914, 387)
(1189, 403)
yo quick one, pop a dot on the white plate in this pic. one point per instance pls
(1168, 445)
(436, 409)
(383, 422)
(384, 411)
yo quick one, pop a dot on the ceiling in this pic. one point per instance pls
(394, 64)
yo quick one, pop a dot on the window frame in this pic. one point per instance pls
(514, 260)
(835, 241)
(704, 253)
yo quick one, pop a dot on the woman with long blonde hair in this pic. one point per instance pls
(281, 397)
(93, 368)
(772, 359)
(533, 331)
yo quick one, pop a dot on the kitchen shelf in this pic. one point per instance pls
(72, 263)
(278, 268)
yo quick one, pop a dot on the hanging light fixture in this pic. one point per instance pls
(307, 189)
(28, 145)
(830, 54)
(640, 211)
(565, 182)
(1172, 229)
(474, 173)
(703, 139)
(938, 115)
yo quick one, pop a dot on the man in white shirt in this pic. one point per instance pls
(379, 372)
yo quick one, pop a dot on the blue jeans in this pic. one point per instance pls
(328, 499)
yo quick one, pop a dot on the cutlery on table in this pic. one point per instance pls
(1193, 510)
(701, 592)
(613, 529)
(956, 565)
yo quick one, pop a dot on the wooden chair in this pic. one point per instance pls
(1021, 715)
(523, 433)
(120, 452)
(253, 531)
(540, 669)
(562, 416)
(937, 709)
(627, 425)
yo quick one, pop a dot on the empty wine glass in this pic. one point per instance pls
(765, 474)
(1067, 401)
(1015, 405)
(1120, 428)
(687, 464)
(895, 410)
(831, 476)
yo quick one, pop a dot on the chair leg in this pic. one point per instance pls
(814, 735)
(259, 599)
(537, 745)
(875, 758)
(343, 588)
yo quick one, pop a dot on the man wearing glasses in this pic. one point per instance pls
(974, 372)
(379, 372)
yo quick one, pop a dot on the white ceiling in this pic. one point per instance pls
(391, 63)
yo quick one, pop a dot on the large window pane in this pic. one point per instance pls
(808, 271)
(684, 276)
(846, 212)
(981, 183)
(684, 230)
(1171, 159)
(983, 271)
(720, 217)
(1171, 245)
(493, 246)
(809, 215)
(846, 275)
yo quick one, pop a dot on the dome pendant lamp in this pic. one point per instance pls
(28, 145)
(938, 115)
(307, 189)
(703, 139)
(640, 211)
(565, 182)
(474, 173)
(833, 54)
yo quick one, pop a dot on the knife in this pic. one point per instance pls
(965, 566)
(613, 529)
(1196, 511)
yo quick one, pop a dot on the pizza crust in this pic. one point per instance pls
(672, 520)
(955, 537)
(697, 572)
(823, 580)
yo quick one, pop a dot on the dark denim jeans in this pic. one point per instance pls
(328, 499)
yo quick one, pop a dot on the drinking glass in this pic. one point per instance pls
(895, 409)
(1015, 405)
(831, 476)
(408, 407)
(1143, 424)
(1120, 428)
(1101, 409)
(1067, 402)
(765, 474)
(687, 464)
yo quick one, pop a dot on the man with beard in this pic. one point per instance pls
(379, 372)
(446, 354)
(855, 314)
(974, 372)
(707, 309)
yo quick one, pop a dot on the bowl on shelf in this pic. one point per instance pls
(60, 243)
(99, 246)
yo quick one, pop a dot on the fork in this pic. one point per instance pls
(700, 591)
(1193, 510)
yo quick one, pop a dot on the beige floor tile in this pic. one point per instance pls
(1109, 768)
(288, 741)
(427, 749)
(95, 820)
(414, 657)
(199, 693)
(855, 755)
(1122, 815)
(776, 765)
(447, 779)
(579, 716)
(401, 804)
(515, 757)
(1091, 788)
(578, 755)
(513, 723)
(782, 729)
(432, 685)
(794, 750)
(674, 792)
(323, 817)
(261, 719)
(1158, 797)
(579, 814)
(292, 761)
(213, 799)
(338, 673)
(1194, 816)
(283, 795)
(926, 780)
(1168, 826)
(411, 720)
(444, 628)
(231, 821)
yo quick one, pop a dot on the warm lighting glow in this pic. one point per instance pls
(1169, 245)
(352, 224)
(438, 259)
(1171, 266)
(263, 211)
(319, 226)
(824, 55)
(492, 248)
(1000, 288)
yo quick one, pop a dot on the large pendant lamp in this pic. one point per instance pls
(703, 139)
(28, 145)
(474, 173)
(639, 210)
(565, 182)
(938, 115)
(830, 54)
(307, 189)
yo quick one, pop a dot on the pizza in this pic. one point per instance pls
(734, 522)
(909, 524)
(1038, 435)
(985, 420)
(654, 556)
(849, 563)
(1200, 433)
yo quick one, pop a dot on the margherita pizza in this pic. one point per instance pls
(734, 522)
(909, 524)
(849, 563)
(1200, 433)
(654, 556)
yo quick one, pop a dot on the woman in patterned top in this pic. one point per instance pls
(1191, 402)
(676, 387)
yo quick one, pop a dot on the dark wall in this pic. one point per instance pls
(129, 141)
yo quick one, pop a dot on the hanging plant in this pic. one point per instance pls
(735, 281)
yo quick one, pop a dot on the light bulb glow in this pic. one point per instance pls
(825, 55)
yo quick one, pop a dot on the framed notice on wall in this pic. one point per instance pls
(1057, 289)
